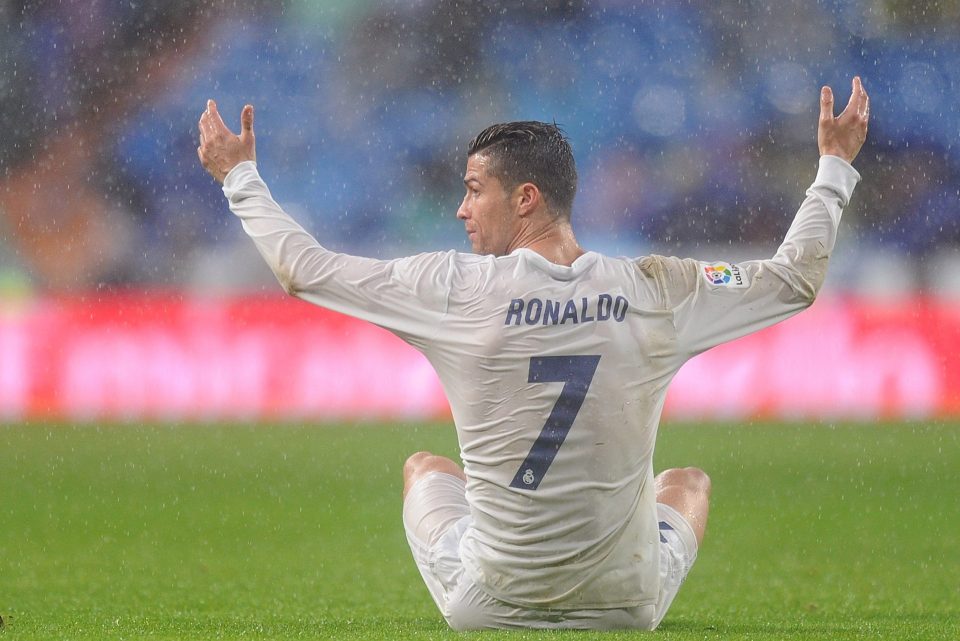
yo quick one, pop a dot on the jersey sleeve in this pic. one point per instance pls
(406, 296)
(715, 302)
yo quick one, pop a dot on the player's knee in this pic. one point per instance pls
(692, 479)
(414, 463)
(697, 480)
(423, 463)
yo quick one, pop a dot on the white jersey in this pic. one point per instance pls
(556, 377)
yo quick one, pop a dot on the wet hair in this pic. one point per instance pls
(531, 151)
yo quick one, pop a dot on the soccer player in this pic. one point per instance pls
(556, 362)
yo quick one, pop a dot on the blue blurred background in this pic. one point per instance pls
(693, 124)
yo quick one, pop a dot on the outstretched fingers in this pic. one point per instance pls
(851, 107)
(209, 132)
(859, 104)
(860, 99)
(212, 115)
(844, 135)
(246, 123)
(826, 104)
(220, 150)
(205, 126)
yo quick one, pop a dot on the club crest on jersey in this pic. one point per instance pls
(725, 275)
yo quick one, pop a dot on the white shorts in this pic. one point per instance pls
(436, 516)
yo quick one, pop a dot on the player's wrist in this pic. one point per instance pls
(238, 177)
(838, 153)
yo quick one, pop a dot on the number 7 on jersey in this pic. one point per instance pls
(576, 374)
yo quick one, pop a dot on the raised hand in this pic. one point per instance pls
(845, 134)
(220, 149)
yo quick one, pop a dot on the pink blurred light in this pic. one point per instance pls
(156, 357)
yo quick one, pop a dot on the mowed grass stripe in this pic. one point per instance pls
(226, 532)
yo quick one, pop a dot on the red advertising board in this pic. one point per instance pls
(163, 357)
(842, 358)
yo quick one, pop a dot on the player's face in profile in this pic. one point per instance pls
(485, 210)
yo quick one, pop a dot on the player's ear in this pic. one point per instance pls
(528, 198)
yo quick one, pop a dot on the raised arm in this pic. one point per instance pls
(715, 302)
(406, 296)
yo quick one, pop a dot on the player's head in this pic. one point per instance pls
(534, 152)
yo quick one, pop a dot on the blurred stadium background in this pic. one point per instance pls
(129, 294)
(128, 291)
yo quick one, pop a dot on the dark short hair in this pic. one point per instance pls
(531, 151)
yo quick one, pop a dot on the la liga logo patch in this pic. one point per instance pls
(718, 274)
(725, 275)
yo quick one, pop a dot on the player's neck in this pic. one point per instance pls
(554, 241)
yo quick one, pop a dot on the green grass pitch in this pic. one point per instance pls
(289, 532)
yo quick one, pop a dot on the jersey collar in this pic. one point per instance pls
(561, 272)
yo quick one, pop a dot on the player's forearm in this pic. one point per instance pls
(282, 242)
(803, 256)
